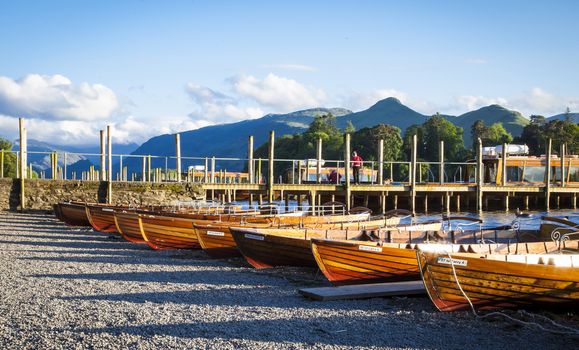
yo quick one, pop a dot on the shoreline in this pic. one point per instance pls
(66, 287)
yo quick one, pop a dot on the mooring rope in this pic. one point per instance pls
(564, 329)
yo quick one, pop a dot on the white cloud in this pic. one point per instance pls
(533, 101)
(291, 66)
(215, 107)
(55, 98)
(469, 103)
(278, 93)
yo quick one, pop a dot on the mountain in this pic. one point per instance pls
(39, 157)
(226, 140)
(512, 121)
(562, 116)
(388, 111)
(230, 140)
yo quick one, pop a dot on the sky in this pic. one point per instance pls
(153, 67)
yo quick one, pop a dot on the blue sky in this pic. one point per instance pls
(151, 67)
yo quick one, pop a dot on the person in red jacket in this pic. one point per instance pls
(356, 166)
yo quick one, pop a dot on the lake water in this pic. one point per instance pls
(490, 219)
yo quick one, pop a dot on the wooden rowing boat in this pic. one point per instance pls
(553, 228)
(454, 281)
(216, 239)
(73, 214)
(128, 225)
(102, 218)
(264, 248)
(356, 262)
(165, 232)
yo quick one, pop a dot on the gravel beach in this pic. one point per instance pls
(74, 288)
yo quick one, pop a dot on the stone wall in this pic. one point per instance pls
(41, 194)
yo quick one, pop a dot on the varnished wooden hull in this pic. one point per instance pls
(265, 251)
(216, 240)
(128, 225)
(354, 262)
(161, 232)
(101, 218)
(345, 262)
(73, 214)
(490, 283)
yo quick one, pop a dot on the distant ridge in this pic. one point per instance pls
(512, 121)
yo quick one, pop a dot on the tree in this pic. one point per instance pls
(365, 142)
(430, 133)
(477, 131)
(496, 135)
(350, 128)
(531, 135)
(9, 158)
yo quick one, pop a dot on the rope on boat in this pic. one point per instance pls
(560, 329)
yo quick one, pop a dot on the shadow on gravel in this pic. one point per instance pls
(378, 330)
(89, 245)
(249, 296)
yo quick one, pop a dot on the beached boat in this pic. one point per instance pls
(356, 262)
(264, 248)
(166, 232)
(73, 214)
(457, 281)
(102, 218)
(128, 225)
(216, 239)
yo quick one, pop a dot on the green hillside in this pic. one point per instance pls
(513, 121)
(388, 111)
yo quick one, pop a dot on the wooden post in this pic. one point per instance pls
(347, 170)
(64, 170)
(250, 170)
(425, 203)
(1, 164)
(110, 165)
(144, 178)
(319, 162)
(441, 164)
(149, 168)
(213, 169)
(103, 157)
(413, 172)
(123, 177)
(178, 155)
(548, 176)
(504, 165)
(479, 176)
(22, 166)
(270, 174)
(562, 159)
(506, 201)
(313, 202)
(381, 162)
(206, 173)
(383, 201)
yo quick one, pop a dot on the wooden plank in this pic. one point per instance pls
(364, 291)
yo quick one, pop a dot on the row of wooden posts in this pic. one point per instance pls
(107, 175)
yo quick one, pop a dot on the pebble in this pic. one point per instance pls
(74, 288)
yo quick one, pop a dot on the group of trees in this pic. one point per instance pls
(9, 158)
(538, 131)
(435, 129)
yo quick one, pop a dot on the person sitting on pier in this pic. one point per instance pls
(334, 177)
(356, 166)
